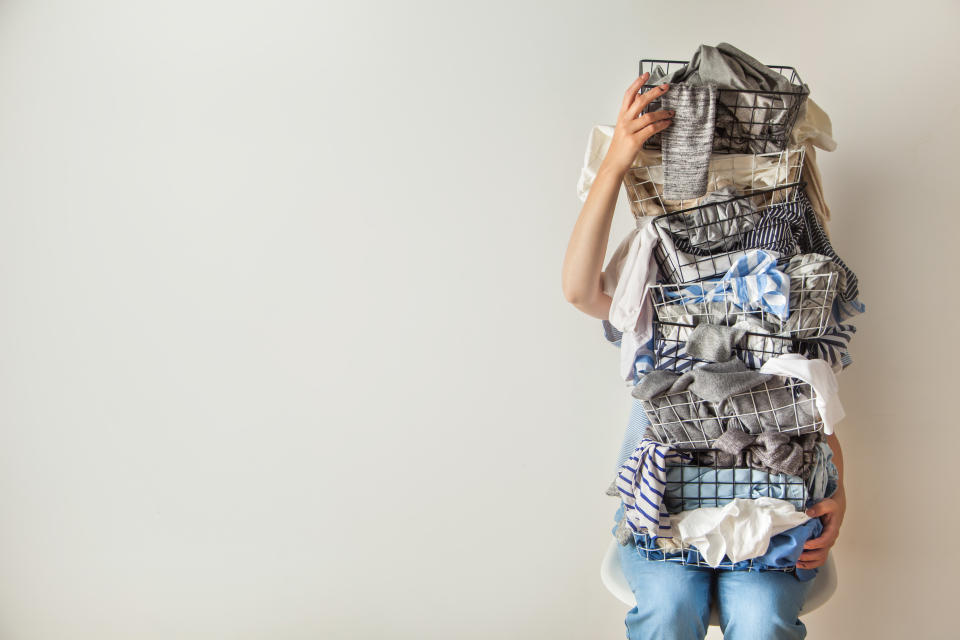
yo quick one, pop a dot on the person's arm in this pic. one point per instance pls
(583, 262)
(831, 511)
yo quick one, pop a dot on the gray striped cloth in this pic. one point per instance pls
(687, 143)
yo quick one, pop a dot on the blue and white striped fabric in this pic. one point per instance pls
(641, 482)
(833, 345)
(643, 358)
(753, 283)
(844, 310)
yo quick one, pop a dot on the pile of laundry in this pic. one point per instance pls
(732, 312)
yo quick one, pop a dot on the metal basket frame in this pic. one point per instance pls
(670, 353)
(770, 136)
(703, 263)
(748, 173)
(813, 313)
(698, 412)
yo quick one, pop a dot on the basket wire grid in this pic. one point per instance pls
(753, 349)
(708, 485)
(718, 243)
(748, 174)
(688, 555)
(685, 421)
(747, 120)
(811, 304)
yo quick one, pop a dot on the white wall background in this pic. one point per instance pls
(283, 352)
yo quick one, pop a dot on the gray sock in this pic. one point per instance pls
(771, 451)
(713, 342)
(623, 534)
(654, 384)
(612, 489)
(687, 143)
(718, 381)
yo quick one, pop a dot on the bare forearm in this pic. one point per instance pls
(831, 511)
(583, 263)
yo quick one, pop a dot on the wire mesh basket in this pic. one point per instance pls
(717, 302)
(753, 348)
(705, 482)
(704, 241)
(691, 487)
(747, 120)
(686, 421)
(745, 173)
(682, 553)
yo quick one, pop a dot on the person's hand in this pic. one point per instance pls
(831, 512)
(631, 132)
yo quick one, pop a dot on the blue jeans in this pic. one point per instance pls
(673, 600)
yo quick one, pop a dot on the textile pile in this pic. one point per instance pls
(733, 316)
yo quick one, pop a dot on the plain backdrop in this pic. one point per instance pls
(283, 349)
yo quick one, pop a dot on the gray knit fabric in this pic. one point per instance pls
(769, 451)
(690, 411)
(741, 116)
(714, 342)
(687, 143)
(714, 382)
(659, 382)
(717, 381)
(780, 408)
(726, 66)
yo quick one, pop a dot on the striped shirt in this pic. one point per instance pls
(752, 283)
(641, 481)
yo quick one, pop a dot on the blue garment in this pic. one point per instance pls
(643, 359)
(824, 477)
(785, 548)
(673, 600)
(782, 554)
(752, 283)
(690, 487)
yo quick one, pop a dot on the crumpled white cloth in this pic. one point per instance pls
(739, 530)
(819, 374)
(630, 309)
(627, 278)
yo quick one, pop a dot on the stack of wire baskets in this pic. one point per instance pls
(755, 187)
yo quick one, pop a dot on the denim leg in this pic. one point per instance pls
(673, 600)
(761, 605)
